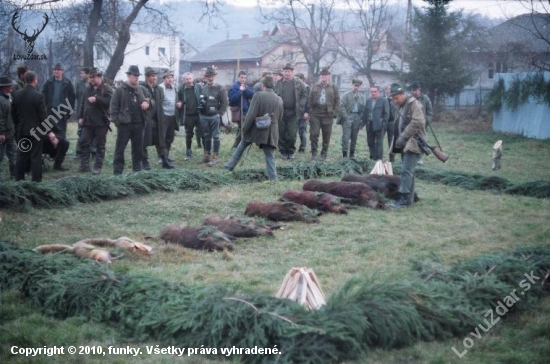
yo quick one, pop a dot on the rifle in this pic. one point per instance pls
(427, 149)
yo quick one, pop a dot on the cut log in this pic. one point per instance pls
(301, 285)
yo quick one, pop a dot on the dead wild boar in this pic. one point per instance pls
(358, 193)
(238, 228)
(281, 211)
(200, 238)
(321, 201)
(384, 184)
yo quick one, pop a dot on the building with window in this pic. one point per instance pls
(159, 51)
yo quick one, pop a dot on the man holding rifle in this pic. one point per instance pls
(409, 128)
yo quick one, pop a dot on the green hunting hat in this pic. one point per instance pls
(58, 66)
(94, 71)
(133, 70)
(415, 85)
(396, 88)
(150, 71)
(278, 72)
(6, 81)
(210, 71)
(357, 82)
(325, 71)
(288, 66)
(167, 73)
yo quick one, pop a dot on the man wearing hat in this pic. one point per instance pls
(263, 103)
(375, 117)
(424, 100)
(93, 118)
(324, 105)
(302, 123)
(29, 113)
(129, 106)
(212, 105)
(155, 128)
(80, 87)
(277, 75)
(294, 95)
(351, 110)
(58, 90)
(170, 104)
(410, 124)
(7, 129)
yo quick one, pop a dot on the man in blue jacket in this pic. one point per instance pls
(239, 96)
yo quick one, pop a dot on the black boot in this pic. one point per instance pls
(352, 154)
(345, 153)
(166, 162)
(145, 164)
(402, 201)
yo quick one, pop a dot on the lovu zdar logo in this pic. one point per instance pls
(29, 39)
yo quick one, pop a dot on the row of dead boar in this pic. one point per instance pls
(316, 198)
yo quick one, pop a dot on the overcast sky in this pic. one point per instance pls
(489, 8)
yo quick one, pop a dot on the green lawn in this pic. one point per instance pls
(449, 222)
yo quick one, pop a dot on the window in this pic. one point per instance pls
(288, 55)
(162, 52)
(146, 50)
(336, 79)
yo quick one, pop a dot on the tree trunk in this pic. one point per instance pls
(122, 41)
(91, 32)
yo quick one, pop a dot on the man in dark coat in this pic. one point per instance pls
(29, 115)
(7, 129)
(93, 118)
(294, 95)
(410, 124)
(302, 123)
(128, 112)
(155, 129)
(375, 117)
(58, 90)
(263, 103)
(188, 95)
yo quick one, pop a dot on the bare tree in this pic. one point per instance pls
(367, 40)
(308, 24)
(108, 26)
(539, 27)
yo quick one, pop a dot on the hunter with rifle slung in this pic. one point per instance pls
(410, 125)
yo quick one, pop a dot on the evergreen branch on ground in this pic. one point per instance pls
(85, 189)
(441, 302)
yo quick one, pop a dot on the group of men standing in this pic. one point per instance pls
(34, 123)
(148, 114)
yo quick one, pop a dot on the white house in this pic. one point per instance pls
(159, 51)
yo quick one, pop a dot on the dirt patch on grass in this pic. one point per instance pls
(469, 121)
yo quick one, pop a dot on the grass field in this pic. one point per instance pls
(448, 222)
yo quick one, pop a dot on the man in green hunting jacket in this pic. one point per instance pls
(410, 123)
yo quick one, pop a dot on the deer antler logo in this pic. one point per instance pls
(29, 39)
